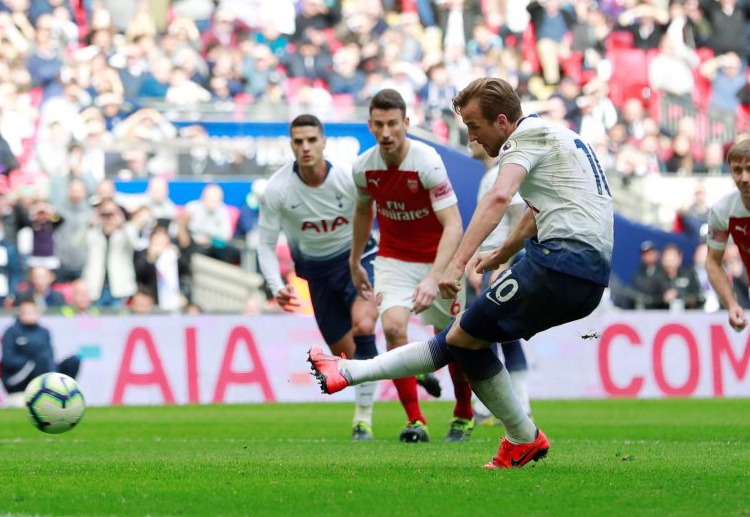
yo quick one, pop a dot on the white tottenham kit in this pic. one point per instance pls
(316, 220)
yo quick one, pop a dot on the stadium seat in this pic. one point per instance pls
(619, 39)
(528, 48)
(629, 75)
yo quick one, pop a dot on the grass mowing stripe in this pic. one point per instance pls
(618, 457)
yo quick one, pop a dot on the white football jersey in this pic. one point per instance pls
(316, 220)
(502, 230)
(567, 191)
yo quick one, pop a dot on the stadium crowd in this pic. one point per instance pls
(658, 87)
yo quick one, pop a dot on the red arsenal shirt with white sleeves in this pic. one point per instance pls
(729, 216)
(406, 198)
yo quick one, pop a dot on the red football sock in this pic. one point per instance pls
(407, 394)
(462, 389)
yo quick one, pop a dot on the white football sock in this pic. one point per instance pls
(364, 396)
(520, 383)
(497, 394)
(404, 361)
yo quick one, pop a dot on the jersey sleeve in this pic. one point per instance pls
(360, 184)
(270, 227)
(718, 229)
(434, 178)
(521, 150)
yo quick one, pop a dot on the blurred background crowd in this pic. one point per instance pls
(93, 91)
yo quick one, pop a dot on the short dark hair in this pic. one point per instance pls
(388, 99)
(306, 120)
(496, 96)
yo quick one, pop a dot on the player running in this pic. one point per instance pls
(311, 199)
(405, 183)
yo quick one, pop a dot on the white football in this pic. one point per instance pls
(54, 402)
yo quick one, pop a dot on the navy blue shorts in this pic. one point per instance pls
(333, 295)
(527, 299)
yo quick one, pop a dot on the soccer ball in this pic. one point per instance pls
(54, 403)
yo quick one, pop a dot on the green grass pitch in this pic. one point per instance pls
(608, 458)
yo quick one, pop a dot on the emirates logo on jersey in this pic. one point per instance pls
(413, 185)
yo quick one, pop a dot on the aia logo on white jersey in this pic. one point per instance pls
(324, 226)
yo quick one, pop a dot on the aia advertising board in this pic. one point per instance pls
(254, 359)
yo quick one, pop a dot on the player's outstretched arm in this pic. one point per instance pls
(720, 282)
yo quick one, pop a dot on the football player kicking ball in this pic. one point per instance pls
(311, 200)
(730, 216)
(567, 234)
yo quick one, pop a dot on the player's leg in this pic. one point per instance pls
(440, 314)
(518, 369)
(364, 314)
(395, 321)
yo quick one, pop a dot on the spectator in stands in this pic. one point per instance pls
(552, 21)
(156, 79)
(728, 20)
(28, 353)
(44, 63)
(316, 14)
(646, 289)
(225, 31)
(670, 71)
(310, 61)
(456, 20)
(682, 161)
(647, 22)
(632, 115)
(45, 221)
(40, 289)
(680, 287)
(727, 74)
(688, 22)
(113, 108)
(211, 225)
(110, 240)
(346, 76)
(183, 90)
(162, 209)
(259, 69)
(483, 40)
(714, 159)
(80, 301)
(142, 302)
(159, 268)
(694, 216)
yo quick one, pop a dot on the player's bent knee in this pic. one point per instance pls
(458, 337)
